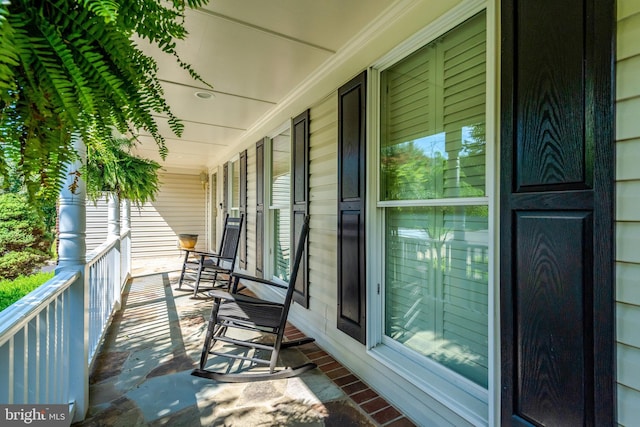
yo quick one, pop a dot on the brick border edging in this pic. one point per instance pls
(377, 409)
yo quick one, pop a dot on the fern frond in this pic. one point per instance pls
(8, 58)
(103, 8)
(71, 67)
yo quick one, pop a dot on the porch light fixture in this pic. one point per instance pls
(204, 179)
(203, 95)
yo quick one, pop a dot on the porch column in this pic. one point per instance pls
(113, 233)
(126, 214)
(113, 221)
(125, 242)
(72, 257)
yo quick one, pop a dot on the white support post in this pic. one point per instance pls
(113, 222)
(126, 217)
(72, 257)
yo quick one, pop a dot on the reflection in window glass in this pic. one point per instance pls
(430, 167)
(437, 283)
(433, 119)
(280, 203)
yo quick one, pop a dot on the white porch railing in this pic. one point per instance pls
(47, 333)
(107, 275)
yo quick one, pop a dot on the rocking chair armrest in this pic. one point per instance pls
(259, 280)
(204, 253)
(218, 294)
(214, 255)
(239, 298)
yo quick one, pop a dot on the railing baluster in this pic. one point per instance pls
(42, 356)
(34, 360)
(18, 368)
(53, 377)
(60, 325)
(12, 382)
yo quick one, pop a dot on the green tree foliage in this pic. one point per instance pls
(111, 168)
(12, 290)
(24, 240)
(409, 173)
(72, 67)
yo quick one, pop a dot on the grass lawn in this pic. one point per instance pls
(12, 290)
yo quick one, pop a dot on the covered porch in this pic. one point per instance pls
(142, 373)
(289, 87)
(117, 341)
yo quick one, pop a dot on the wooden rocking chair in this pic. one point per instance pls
(213, 267)
(233, 311)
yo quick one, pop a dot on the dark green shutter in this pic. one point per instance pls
(225, 188)
(556, 216)
(243, 209)
(260, 208)
(351, 207)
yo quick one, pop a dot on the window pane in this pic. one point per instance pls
(280, 170)
(436, 282)
(280, 203)
(281, 257)
(433, 119)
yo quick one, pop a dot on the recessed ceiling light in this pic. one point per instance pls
(204, 95)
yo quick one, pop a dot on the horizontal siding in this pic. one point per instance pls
(628, 34)
(627, 123)
(97, 227)
(628, 290)
(628, 404)
(627, 200)
(627, 326)
(626, 8)
(628, 83)
(323, 209)
(180, 208)
(627, 159)
(628, 366)
(628, 241)
(628, 211)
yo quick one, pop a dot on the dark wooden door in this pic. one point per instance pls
(351, 207)
(557, 182)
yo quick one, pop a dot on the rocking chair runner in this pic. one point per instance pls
(236, 311)
(213, 267)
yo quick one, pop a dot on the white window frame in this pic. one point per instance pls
(268, 250)
(476, 404)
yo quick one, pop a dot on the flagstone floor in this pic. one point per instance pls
(142, 374)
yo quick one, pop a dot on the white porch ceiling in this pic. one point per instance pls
(254, 53)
